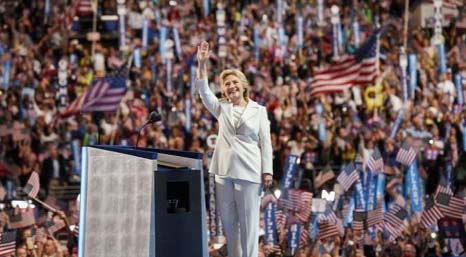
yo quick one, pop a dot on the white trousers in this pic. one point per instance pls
(238, 202)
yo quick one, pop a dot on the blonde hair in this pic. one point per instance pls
(242, 78)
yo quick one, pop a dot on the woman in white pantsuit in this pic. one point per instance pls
(242, 158)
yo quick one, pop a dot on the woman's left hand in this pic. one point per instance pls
(267, 180)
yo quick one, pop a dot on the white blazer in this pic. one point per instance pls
(242, 152)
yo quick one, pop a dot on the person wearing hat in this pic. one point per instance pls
(242, 158)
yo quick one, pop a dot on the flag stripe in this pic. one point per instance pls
(355, 70)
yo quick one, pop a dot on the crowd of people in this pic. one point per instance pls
(39, 47)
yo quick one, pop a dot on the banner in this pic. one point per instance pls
(47, 9)
(442, 62)
(280, 12)
(163, 38)
(137, 58)
(76, 150)
(459, 90)
(448, 173)
(282, 39)
(300, 32)
(380, 186)
(257, 43)
(341, 37)
(335, 42)
(320, 13)
(315, 228)
(414, 187)
(6, 73)
(372, 183)
(169, 75)
(348, 218)
(358, 194)
(404, 84)
(270, 223)
(145, 33)
(289, 171)
(121, 18)
(412, 75)
(187, 109)
(396, 124)
(293, 237)
(157, 15)
(356, 33)
(212, 208)
(176, 36)
(192, 79)
(322, 130)
(206, 5)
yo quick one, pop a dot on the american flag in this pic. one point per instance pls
(304, 237)
(396, 215)
(104, 95)
(451, 206)
(325, 175)
(359, 218)
(406, 154)
(431, 213)
(305, 209)
(7, 243)
(33, 185)
(394, 220)
(375, 217)
(280, 217)
(353, 70)
(375, 163)
(443, 187)
(348, 177)
(22, 218)
(54, 225)
(327, 229)
(328, 214)
(291, 199)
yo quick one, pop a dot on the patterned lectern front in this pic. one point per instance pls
(142, 203)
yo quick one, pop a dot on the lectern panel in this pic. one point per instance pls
(118, 210)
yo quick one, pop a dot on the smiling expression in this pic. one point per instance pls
(233, 88)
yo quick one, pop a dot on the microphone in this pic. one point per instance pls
(153, 117)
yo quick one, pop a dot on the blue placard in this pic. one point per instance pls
(293, 237)
(187, 108)
(348, 219)
(442, 62)
(412, 74)
(137, 58)
(414, 187)
(396, 124)
(356, 33)
(289, 171)
(459, 89)
(270, 223)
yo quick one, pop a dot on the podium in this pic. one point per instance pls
(141, 202)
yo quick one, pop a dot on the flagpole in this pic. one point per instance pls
(50, 208)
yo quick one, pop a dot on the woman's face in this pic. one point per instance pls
(233, 89)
